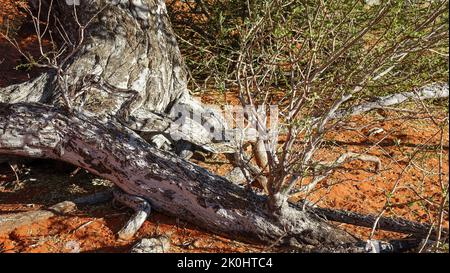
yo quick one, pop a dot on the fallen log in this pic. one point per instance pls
(171, 185)
(394, 224)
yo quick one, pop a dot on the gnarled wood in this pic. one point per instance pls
(141, 208)
(431, 91)
(170, 184)
(394, 224)
(131, 47)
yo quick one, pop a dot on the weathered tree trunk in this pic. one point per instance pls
(129, 44)
(172, 185)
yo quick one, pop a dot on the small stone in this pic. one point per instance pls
(197, 244)
(236, 176)
(160, 244)
(64, 207)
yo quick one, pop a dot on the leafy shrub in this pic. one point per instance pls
(279, 40)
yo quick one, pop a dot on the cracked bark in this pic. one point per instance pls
(131, 46)
(171, 185)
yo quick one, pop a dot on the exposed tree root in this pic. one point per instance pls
(10, 222)
(394, 224)
(142, 210)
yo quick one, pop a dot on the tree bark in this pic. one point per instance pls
(171, 185)
(131, 46)
(394, 224)
(431, 91)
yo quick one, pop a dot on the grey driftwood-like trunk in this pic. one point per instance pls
(172, 185)
(130, 49)
(130, 45)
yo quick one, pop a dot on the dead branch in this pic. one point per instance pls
(393, 224)
(10, 222)
(327, 168)
(432, 91)
(170, 184)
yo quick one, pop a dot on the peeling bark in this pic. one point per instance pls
(170, 184)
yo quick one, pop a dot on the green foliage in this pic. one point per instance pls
(288, 39)
(24, 67)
